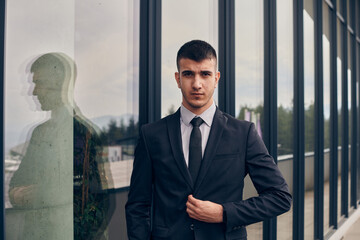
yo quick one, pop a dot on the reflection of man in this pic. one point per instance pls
(189, 167)
(58, 180)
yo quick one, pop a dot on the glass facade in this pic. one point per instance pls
(72, 105)
(339, 105)
(309, 99)
(327, 93)
(249, 73)
(285, 108)
(202, 19)
(73, 79)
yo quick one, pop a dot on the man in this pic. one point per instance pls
(189, 167)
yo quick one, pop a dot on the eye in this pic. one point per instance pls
(206, 74)
(187, 73)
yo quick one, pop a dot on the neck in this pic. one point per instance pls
(200, 110)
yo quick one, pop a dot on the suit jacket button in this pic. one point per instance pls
(192, 227)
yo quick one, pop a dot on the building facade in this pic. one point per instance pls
(80, 77)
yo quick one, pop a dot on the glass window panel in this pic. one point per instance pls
(326, 77)
(39, 120)
(339, 104)
(107, 93)
(350, 112)
(348, 12)
(339, 6)
(309, 98)
(202, 19)
(249, 75)
(285, 79)
(68, 148)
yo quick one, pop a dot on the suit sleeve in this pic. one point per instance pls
(274, 197)
(138, 206)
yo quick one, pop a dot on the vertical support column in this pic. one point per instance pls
(150, 61)
(299, 128)
(2, 77)
(319, 125)
(345, 117)
(227, 56)
(333, 121)
(270, 96)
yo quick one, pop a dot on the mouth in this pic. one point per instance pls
(197, 94)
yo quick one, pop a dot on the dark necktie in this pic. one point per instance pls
(195, 152)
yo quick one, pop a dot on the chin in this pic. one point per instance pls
(195, 103)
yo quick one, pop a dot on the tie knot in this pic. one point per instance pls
(197, 121)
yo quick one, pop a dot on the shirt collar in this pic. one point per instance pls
(208, 115)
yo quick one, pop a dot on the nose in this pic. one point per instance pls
(197, 82)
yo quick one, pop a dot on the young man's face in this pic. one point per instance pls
(197, 81)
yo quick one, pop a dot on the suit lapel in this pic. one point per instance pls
(173, 123)
(211, 146)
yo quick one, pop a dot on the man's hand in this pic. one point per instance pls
(204, 211)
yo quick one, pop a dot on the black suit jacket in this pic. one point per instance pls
(161, 183)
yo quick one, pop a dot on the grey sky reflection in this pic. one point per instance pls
(101, 37)
(183, 21)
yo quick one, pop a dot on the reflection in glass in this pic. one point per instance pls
(285, 79)
(200, 21)
(40, 189)
(249, 75)
(63, 146)
(326, 78)
(107, 91)
(309, 83)
(349, 86)
(339, 6)
(39, 120)
(339, 104)
(66, 169)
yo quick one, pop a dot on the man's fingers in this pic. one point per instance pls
(193, 200)
(191, 207)
(204, 210)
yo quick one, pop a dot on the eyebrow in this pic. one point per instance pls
(207, 72)
(192, 72)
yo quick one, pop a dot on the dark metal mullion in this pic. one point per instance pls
(319, 126)
(227, 56)
(2, 77)
(270, 96)
(354, 136)
(344, 120)
(150, 61)
(299, 127)
(333, 121)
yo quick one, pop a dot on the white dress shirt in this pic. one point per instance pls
(186, 127)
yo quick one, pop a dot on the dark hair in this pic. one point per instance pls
(196, 50)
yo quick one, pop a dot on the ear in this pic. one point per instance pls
(177, 78)
(217, 78)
